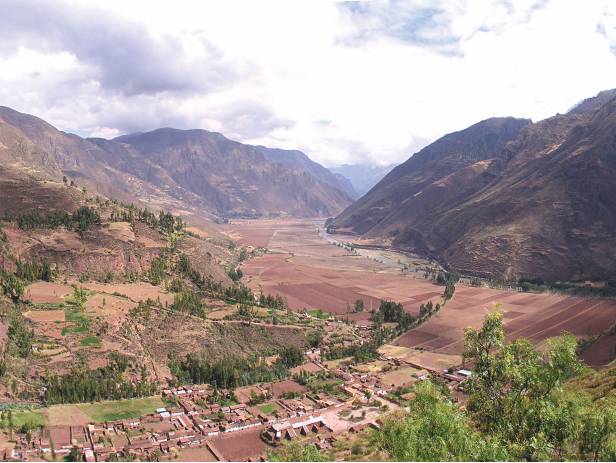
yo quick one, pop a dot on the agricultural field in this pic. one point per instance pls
(312, 274)
(533, 316)
(246, 445)
(75, 414)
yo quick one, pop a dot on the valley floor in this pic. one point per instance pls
(313, 270)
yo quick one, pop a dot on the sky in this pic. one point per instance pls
(345, 82)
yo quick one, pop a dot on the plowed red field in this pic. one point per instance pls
(313, 274)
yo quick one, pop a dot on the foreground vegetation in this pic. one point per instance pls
(518, 408)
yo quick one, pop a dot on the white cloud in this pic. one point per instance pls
(345, 83)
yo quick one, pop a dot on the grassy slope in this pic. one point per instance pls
(598, 385)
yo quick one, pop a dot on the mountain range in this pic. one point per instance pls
(190, 171)
(362, 176)
(506, 198)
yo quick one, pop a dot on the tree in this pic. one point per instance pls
(46, 271)
(314, 339)
(516, 392)
(64, 179)
(156, 273)
(597, 425)
(80, 295)
(434, 430)
(183, 264)
(377, 317)
(291, 356)
(52, 447)
(20, 336)
(12, 286)
(296, 451)
(359, 305)
(247, 311)
(11, 425)
(75, 454)
(84, 217)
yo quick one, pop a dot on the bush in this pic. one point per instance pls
(156, 273)
(12, 286)
(188, 302)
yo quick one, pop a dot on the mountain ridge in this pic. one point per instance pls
(194, 171)
(539, 204)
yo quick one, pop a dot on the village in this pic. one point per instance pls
(321, 402)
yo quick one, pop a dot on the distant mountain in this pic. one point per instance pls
(296, 160)
(362, 176)
(507, 197)
(194, 171)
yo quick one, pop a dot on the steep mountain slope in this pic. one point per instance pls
(34, 146)
(85, 280)
(108, 245)
(362, 176)
(436, 175)
(296, 160)
(188, 171)
(543, 204)
(232, 179)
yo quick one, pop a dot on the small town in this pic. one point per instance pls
(247, 424)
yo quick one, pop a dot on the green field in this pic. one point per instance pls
(121, 409)
(268, 409)
(318, 313)
(90, 341)
(80, 322)
(29, 418)
(66, 414)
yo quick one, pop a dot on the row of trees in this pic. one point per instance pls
(538, 284)
(163, 221)
(80, 220)
(21, 336)
(32, 271)
(392, 312)
(276, 302)
(188, 302)
(360, 352)
(449, 279)
(13, 284)
(237, 293)
(228, 372)
(107, 383)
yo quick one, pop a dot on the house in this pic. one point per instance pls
(88, 455)
(289, 429)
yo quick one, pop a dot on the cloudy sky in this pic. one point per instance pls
(357, 82)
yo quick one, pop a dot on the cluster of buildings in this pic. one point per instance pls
(193, 421)
(237, 425)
